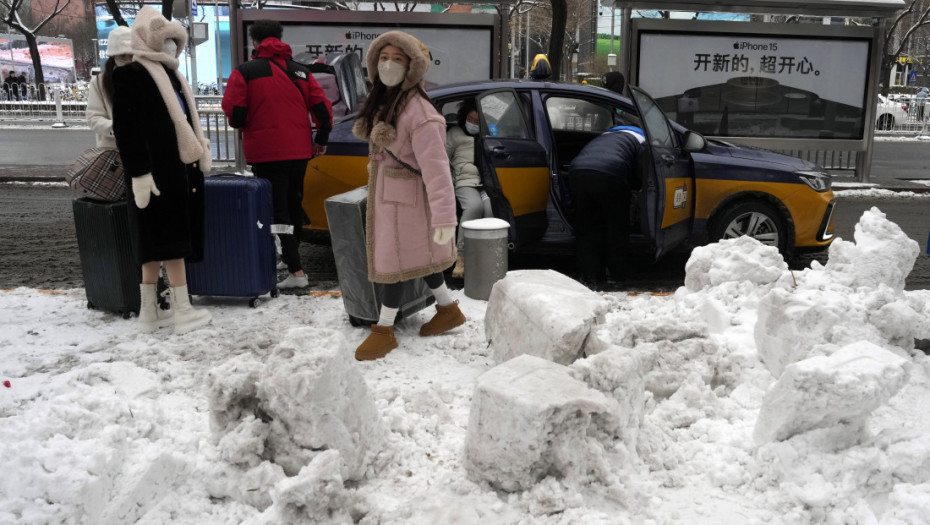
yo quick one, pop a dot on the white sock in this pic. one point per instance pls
(387, 316)
(442, 295)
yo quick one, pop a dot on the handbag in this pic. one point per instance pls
(98, 173)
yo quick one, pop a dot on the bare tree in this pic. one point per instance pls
(898, 33)
(13, 19)
(114, 9)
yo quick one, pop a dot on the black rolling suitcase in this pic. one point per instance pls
(345, 214)
(239, 252)
(108, 263)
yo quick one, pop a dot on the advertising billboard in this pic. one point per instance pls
(747, 84)
(56, 56)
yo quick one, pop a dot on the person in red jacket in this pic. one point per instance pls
(269, 98)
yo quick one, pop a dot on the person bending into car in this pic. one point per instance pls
(269, 97)
(601, 179)
(460, 146)
(410, 220)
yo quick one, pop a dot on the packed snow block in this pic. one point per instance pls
(793, 325)
(734, 260)
(317, 400)
(822, 391)
(530, 419)
(541, 313)
(882, 254)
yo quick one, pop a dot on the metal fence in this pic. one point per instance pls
(68, 107)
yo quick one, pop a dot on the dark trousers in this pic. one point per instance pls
(602, 223)
(391, 293)
(287, 189)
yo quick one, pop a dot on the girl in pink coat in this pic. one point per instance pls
(410, 220)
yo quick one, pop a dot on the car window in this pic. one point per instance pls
(503, 114)
(575, 114)
(655, 121)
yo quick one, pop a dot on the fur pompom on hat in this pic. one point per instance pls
(149, 32)
(413, 48)
(118, 41)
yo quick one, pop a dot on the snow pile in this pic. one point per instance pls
(307, 398)
(264, 418)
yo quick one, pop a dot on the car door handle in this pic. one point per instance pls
(668, 159)
(500, 152)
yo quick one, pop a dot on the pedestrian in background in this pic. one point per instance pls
(460, 147)
(271, 98)
(23, 86)
(165, 156)
(614, 81)
(99, 112)
(921, 102)
(410, 220)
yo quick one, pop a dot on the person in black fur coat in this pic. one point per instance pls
(165, 156)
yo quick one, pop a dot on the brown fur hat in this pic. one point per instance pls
(413, 48)
(149, 32)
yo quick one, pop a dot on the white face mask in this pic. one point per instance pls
(471, 129)
(171, 48)
(391, 73)
(121, 62)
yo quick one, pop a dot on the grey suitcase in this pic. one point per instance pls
(362, 299)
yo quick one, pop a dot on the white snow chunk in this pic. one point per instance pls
(618, 372)
(825, 390)
(315, 495)
(145, 487)
(733, 260)
(882, 254)
(530, 419)
(541, 313)
(308, 397)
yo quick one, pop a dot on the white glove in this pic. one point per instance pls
(142, 189)
(443, 235)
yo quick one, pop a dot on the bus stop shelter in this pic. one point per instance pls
(808, 89)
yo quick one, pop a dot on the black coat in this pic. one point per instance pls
(171, 226)
(618, 155)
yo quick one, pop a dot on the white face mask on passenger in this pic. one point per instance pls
(391, 73)
(471, 129)
(171, 48)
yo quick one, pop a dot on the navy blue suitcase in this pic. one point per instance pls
(239, 252)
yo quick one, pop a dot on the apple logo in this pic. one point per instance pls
(735, 45)
(348, 35)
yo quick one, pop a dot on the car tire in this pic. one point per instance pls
(756, 219)
(886, 122)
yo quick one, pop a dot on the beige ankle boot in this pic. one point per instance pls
(186, 317)
(459, 271)
(447, 317)
(378, 343)
(151, 316)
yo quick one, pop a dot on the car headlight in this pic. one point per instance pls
(817, 180)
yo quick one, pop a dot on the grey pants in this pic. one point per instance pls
(473, 207)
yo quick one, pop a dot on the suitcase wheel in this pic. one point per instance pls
(90, 305)
(275, 292)
(253, 302)
(355, 321)
(127, 314)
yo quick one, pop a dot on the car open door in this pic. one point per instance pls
(514, 167)
(341, 78)
(668, 179)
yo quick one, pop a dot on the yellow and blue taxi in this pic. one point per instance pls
(695, 190)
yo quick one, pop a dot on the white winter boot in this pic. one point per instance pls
(186, 317)
(151, 316)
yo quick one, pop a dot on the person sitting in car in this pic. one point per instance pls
(460, 147)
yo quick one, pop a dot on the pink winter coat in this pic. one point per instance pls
(404, 208)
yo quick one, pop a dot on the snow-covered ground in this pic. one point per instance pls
(752, 395)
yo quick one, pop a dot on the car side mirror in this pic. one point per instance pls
(694, 141)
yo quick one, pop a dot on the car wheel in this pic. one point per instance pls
(886, 122)
(756, 219)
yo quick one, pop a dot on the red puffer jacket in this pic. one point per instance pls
(261, 98)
